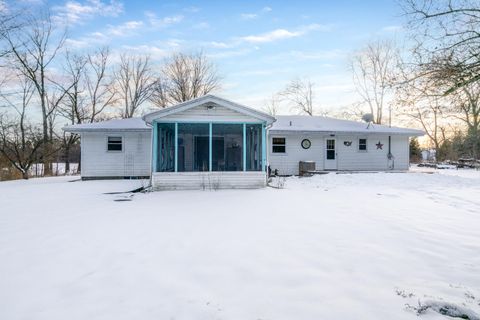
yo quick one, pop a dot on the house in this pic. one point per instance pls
(210, 142)
(335, 144)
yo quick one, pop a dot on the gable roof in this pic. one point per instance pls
(209, 98)
(326, 124)
(130, 124)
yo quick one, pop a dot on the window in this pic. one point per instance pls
(114, 144)
(278, 145)
(330, 148)
(362, 144)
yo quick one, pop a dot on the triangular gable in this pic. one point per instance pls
(209, 107)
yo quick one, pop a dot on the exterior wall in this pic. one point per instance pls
(287, 163)
(208, 180)
(349, 158)
(132, 161)
(203, 114)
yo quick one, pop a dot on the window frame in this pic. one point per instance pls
(360, 144)
(121, 143)
(284, 145)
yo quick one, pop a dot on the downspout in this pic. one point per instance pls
(391, 158)
(267, 128)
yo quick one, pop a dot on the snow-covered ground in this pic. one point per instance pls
(336, 246)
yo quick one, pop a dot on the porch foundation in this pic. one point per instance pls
(208, 180)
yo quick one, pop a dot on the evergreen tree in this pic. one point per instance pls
(415, 151)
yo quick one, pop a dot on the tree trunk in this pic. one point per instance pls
(67, 159)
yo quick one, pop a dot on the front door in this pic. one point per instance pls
(201, 153)
(330, 154)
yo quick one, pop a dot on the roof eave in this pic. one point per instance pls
(201, 100)
(410, 134)
(80, 130)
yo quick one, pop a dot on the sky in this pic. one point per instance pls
(258, 46)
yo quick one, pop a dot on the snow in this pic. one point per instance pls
(58, 168)
(326, 124)
(114, 124)
(335, 246)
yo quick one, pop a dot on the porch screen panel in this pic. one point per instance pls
(254, 147)
(193, 147)
(165, 147)
(227, 147)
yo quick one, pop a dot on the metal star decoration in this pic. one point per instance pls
(379, 145)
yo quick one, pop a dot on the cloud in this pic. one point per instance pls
(219, 44)
(73, 12)
(318, 55)
(201, 25)
(3, 6)
(392, 28)
(231, 53)
(251, 16)
(124, 28)
(162, 22)
(248, 16)
(153, 51)
(101, 37)
(280, 34)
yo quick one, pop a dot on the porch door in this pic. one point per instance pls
(201, 154)
(330, 154)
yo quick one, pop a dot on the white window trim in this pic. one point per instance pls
(115, 136)
(278, 153)
(366, 145)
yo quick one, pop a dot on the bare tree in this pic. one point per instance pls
(135, 82)
(19, 140)
(31, 50)
(72, 108)
(421, 99)
(185, 77)
(446, 27)
(89, 90)
(373, 71)
(299, 93)
(445, 73)
(272, 105)
(100, 85)
(161, 92)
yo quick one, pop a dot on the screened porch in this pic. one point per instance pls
(208, 147)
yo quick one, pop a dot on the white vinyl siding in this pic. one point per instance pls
(287, 163)
(209, 180)
(203, 114)
(133, 160)
(349, 158)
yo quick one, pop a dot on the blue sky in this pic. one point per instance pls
(258, 46)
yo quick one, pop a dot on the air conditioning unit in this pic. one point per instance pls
(306, 168)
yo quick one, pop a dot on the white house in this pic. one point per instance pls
(210, 142)
(335, 144)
